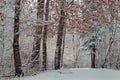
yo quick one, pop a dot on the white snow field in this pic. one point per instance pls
(75, 74)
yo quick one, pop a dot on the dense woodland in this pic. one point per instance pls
(40, 35)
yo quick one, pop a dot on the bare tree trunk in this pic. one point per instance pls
(93, 51)
(38, 32)
(45, 36)
(17, 60)
(61, 26)
(93, 57)
(63, 46)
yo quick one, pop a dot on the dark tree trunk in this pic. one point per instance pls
(45, 36)
(93, 57)
(57, 63)
(17, 60)
(63, 46)
(38, 32)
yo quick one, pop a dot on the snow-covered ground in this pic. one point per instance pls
(76, 74)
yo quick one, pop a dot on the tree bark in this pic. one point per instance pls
(63, 46)
(93, 57)
(38, 32)
(45, 36)
(17, 60)
(57, 63)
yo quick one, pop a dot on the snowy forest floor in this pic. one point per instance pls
(74, 74)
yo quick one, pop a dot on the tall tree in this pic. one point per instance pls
(45, 35)
(17, 60)
(38, 32)
(61, 26)
(93, 52)
(63, 46)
